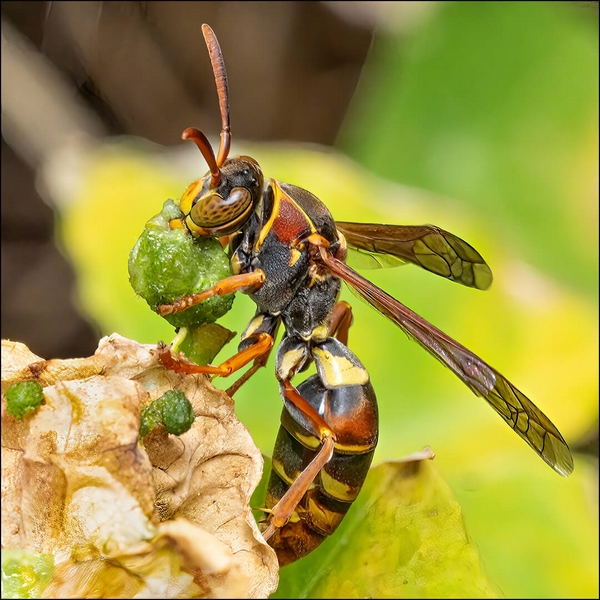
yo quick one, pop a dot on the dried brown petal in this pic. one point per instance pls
(167, 519)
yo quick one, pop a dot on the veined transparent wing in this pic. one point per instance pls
(511, 404)
(427, 246)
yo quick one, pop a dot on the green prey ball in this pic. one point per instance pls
(166, 264)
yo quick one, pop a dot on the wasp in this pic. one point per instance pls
(289, 255)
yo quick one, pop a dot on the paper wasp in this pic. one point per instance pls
(288, 254)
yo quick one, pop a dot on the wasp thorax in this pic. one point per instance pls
(224, 209)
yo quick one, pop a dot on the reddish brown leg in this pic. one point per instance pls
(317, 421)
(259, 362)
(341, 321)
(262, 360)
(263, 345)
(281, 513)
(229, 285)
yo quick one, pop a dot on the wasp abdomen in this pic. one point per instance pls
(337, 485)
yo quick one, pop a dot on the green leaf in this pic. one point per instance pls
(403, 537)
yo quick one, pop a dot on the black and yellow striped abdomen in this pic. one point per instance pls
(329, 497)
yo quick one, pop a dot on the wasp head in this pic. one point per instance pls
(223, 208)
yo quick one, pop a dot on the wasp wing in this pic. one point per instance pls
(427, 246)
(511, 404)
(364, 260)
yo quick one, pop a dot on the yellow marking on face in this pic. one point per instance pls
(187, 199)
(192, 226)
(339, 371)
(176, 224)
(236, 267)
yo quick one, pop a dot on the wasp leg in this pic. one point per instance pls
(259, 362)
(245, 281)
(261, 323)
(283, 510)
(281, 513)
(320, 426)
(263, 345)
(341, 321)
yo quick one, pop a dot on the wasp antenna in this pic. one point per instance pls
(191, 133)
(218, 66)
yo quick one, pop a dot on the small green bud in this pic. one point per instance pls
(24, 397)
(172, 409)
(177, 412)
(150, 419)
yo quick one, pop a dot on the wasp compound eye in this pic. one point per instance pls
(216, 211)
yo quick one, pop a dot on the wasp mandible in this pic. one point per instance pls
(289, 255)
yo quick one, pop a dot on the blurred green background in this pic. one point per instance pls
(481, 118)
